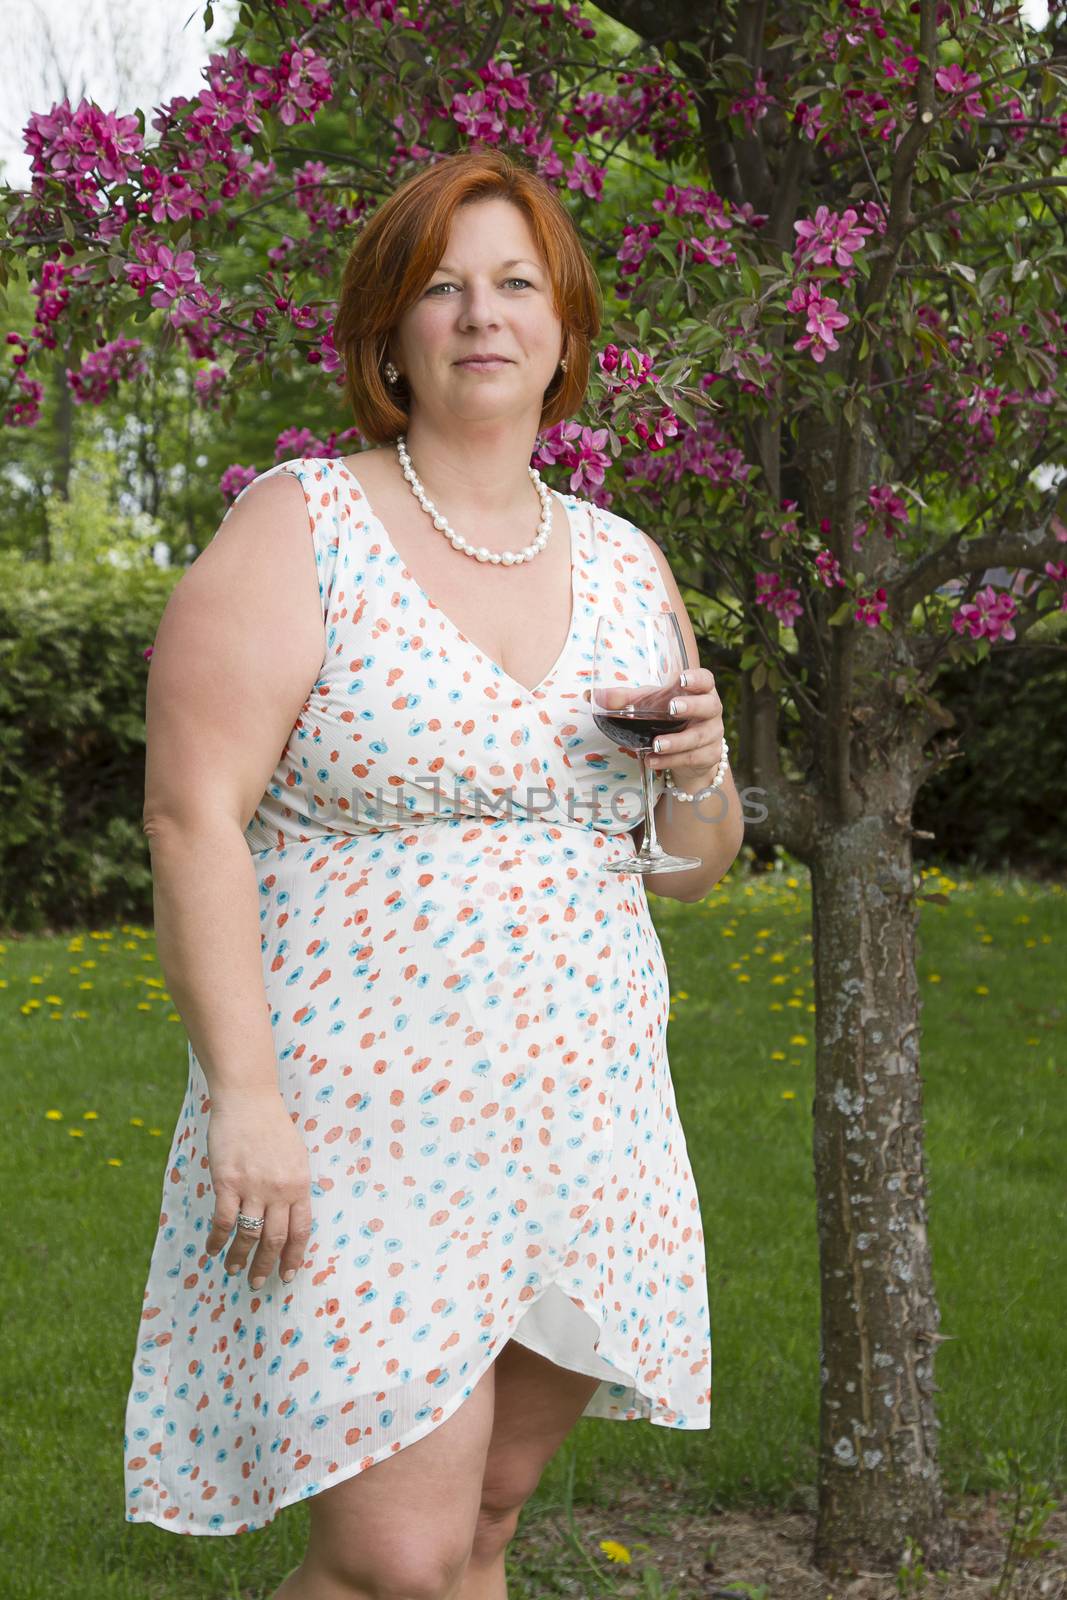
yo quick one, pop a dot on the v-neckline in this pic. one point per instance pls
(406, 572)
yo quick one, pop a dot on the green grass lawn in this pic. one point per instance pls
(94, 1073)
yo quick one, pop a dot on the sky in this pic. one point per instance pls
(123, 54)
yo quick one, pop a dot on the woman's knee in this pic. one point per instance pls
(403, 1572)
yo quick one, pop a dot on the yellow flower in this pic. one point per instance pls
(799, 1038)
(788, 1094)
(113, 1161)
(136, 1122)
(615, 1551)
(155, 1130)
(777, 1055)
(681, 995)
(54, 1116)
(76, 1133)
(981, 989)
(90, 1116)
(53, 1000)
(934, 977)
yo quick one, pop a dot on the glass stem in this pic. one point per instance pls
(651, 846)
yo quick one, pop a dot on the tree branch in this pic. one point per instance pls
(1024, 547)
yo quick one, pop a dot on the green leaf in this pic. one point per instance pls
(684, 410)
(759, 675)
(843, 611)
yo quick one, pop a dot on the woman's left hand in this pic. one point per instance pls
(693, 755)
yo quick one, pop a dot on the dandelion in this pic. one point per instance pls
(981, 989)
(935, 977)
(136, 1122)
(114, 1161)
(788, 1094)
(799, 1038)
(90, 1116)
(155, 1130)
(76, 1133)
(615, 1551)
(54, 1116)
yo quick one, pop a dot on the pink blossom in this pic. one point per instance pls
(656, 434)
(581, 450)
(889, 507)
(85, 149)
(103, 370)
(234, 479)
(755, 105)
(822, 316)
(869, 608)
(988, 615)
(1057, 571)
(709, 251)
(829, 569)
(584, 176)
(782, 600)
(303, 84)
(478, 114)
(829, 238)
(954, 81)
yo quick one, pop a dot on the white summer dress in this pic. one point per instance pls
(469, 1017)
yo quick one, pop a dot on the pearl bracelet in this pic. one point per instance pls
(680, 794)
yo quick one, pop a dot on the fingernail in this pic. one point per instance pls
(656, 745)
(257, 1283)
(287, 1277)
(682, 679)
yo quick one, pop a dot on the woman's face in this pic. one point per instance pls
(490, 295)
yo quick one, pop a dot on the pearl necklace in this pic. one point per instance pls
(506, 558)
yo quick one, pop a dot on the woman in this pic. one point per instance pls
(428, 1200)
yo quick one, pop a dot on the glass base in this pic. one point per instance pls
(645, 863)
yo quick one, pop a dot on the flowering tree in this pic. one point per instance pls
(831, 238)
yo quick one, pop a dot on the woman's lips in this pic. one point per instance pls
(480, 364)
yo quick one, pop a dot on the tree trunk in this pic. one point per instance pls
(879, 1478)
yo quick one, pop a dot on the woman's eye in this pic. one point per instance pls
(434, 287)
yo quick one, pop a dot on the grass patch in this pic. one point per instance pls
(87, 1030)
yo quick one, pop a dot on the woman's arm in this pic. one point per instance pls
(712, 829)
(239, 646)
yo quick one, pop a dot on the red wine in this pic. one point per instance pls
(637, 729)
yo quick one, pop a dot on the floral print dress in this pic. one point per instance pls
(469, 1017)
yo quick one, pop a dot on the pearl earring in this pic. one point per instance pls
(563, 364)
(391, 373)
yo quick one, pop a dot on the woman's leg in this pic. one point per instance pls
(536, 1405)
(401, 1529)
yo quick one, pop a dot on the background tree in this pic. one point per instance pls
(831, 238)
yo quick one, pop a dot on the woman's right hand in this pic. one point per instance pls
(259, 1166)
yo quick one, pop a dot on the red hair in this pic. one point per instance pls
(397, 252)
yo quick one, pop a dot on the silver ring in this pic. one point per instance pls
(250, 1224)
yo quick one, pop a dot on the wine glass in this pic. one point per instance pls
(637, 659)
